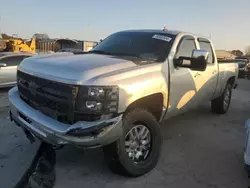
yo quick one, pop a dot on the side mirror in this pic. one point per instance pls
(197, 62)
(3, 65)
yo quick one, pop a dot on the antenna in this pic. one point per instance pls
(165, 28)
(210, 36)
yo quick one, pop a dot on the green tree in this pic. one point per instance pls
(247, 50)
(40, 36)
(237, 53)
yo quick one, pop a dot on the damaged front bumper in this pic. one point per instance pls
(86, 134)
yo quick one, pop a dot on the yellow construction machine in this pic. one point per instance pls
(17, 45)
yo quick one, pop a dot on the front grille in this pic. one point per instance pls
(54, 99)
(86, 117)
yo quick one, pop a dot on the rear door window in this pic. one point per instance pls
(205, 45)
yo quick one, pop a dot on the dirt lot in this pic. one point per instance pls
(16, 153)
(200, 150)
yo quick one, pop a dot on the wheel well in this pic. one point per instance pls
(153, 103)
(231, 80)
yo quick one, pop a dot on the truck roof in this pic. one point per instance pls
(172, 32)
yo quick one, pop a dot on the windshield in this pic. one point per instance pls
(149, 46)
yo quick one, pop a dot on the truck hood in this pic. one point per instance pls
(74, 69)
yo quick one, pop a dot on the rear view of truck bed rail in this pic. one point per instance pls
(227, 60)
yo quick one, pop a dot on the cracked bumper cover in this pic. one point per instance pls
(86, 134)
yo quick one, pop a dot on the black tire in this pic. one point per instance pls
(217, 104)
(116, 156)
(247, 167)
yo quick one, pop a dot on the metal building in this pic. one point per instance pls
(53, 45)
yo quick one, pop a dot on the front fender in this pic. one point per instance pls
(134, 91)
(141, 81)
(136, 87)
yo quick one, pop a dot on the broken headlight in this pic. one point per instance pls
(97, 100)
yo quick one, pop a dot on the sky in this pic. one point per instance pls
(226, 21)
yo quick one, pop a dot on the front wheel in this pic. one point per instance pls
(221, 104)
(138, 150)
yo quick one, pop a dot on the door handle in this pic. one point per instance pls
(197, 74)
(214, 71)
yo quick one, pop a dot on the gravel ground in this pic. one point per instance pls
(200, 150)
(16, 152)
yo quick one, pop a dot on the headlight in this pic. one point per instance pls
(97, 100)
(96, 92)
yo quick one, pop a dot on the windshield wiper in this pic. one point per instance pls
(120, 54)
(151, 59)
(99, 52)
(136, 56)
(126, 55)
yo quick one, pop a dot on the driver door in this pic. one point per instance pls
(187, 87)
(182, 83)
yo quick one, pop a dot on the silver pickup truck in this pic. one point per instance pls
(116, 95)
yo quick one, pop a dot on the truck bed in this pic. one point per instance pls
(227, 60)
(227, 69)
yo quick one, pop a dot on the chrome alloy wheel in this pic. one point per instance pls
(138, 143)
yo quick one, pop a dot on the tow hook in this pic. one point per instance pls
(10, 115)
(30, 137)
(57, 147)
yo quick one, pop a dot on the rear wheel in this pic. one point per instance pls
(221, 104)
(138, 150)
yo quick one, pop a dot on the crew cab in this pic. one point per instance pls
(116, 95)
